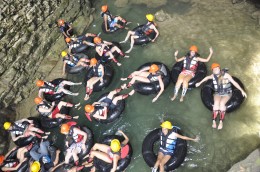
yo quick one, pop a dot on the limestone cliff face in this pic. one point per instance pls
(29, 47)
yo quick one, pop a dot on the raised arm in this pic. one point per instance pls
(175, 56)
(125, 136)
(207, 59)
(156, 31)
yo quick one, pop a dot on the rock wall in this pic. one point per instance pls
(30, 46)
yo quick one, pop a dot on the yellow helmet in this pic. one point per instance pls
(150, 17)
(7, 125)
(36, 166)
(115, 145)
(63, 53)
(166, 124)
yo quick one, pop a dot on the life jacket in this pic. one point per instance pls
(76, 137)
(98, 109)
(109, 16)
(123, 152)
(71, 60)
(49, 88)
(19, 128)
(154, 77)
(75, 44)
(44, 105)
(190, 63)
(64, 28)
(146, 28)
(224, 87)
(96, 70)
(168, 142)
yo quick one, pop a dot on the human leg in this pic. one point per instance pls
(215, 109)
(185, 86)
(129, 33)
(132, 43)
(177, 86)
(222, 108)
(158, 161)
(164, 160)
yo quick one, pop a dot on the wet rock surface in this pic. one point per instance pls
(29, 47)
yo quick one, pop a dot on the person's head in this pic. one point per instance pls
(36, 166)
(2, 158)
(150, 17)
(64, 129)
(97, 40)
(166, 126)
(153, 68)
(68, 40)
(61, 22)
(193, 50)
(40, 83)
(64, 54)
(104, 8)
(93, 61)
(38, 100)
(215, 67)
(115, 145)
(7, 125)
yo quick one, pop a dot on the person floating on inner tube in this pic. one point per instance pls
(103, 50)
(98, 74)
(65, 28)
(168, 139)
(23, 128)
(52, 111)
(112, 23)
(72, 61)
(42, 154)
(79, 139)
(189, 69)
(110, 154)
(15, 163)
(99, 110)
(49, 88)
(145, 30)
(147, 75)
(223, 91)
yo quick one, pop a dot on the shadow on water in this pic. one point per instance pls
(232, 34)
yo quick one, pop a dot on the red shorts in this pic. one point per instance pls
(54, 112)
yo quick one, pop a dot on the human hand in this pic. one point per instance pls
(197, 84)
(210, 50)
(118, 64)
(244, 93)
(155, 99)
(197, 139)
(152, 40)
(120, 132)
(175, 54)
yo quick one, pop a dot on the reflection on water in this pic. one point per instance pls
(233, 35)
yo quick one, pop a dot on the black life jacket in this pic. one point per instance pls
(109, 16)
(146, 28)
(45, 105)
(222, 88)
(71, 60)
(190, 63)
(168, 141)
(18, 129)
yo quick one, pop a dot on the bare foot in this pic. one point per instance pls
(126, 56)
(79, 83)
(118, 64)
(47, 133)
(131, 92)
(214, 125)
(75, 94)
(220, 125)
(122, 42)
(75, 117)
(86, 97)
(44, 137)
(76, 105)
(123, 79)
(181, 99)
(123, 86)
(174, 97)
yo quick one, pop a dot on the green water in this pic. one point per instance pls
(234, 37)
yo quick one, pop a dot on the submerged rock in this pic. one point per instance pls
(161, 16)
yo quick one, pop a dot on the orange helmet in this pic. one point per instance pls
(2, 158)
(104, 8)
(89, 108)
(97, 40)
(214, 65)
(64, 129)
(153, 68)
(194, 48)
(60, 22)
(40, 83)
(37, 100)
(93, 61)
(67, 40)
